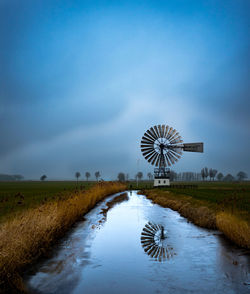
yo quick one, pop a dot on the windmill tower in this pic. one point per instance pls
(162, 146)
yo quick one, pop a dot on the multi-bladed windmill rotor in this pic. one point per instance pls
(162, 146)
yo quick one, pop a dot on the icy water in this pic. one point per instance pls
(104, 254)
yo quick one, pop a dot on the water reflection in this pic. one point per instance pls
(154, 242)
(104, 254)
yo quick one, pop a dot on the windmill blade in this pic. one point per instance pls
(156, 131)
(193, 147)
(153, 251)
(172, 134)
(170, 161)
(146, 141)
(163, 130)
(149, 154)
(174, 137)
(160, 131)
(170, 156)
(169, 164)
(169, 132)
(148, 145)
(173, 156)
(151, 157)
(146, 136)
(178, 140)
(149, 133)
(154, 159)
(155, 255)
(176, 154)
(147, 149)
(155, 135)
(157, 160)
(176, 150)
(166, 131)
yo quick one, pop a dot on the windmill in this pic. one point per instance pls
(162, 146)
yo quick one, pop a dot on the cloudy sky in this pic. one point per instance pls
(81, 81)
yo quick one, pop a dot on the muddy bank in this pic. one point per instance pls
(29, 236)
(203, 215)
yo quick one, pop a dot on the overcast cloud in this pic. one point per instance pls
(81, 82)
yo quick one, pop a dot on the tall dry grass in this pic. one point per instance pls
(202, 214)
(197, 213)
(234, 228)
(29, 235)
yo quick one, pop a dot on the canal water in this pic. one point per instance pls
(119, 251)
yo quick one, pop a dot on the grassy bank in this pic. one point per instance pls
(16, 196)
(214, 207)
(31, 232)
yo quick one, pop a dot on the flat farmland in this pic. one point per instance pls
(19, 196)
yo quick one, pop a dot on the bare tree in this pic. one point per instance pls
(139, 175)
(97, 175)
(205, 172)
(127, 177)
(87, 175)
(77, 175)
(121, 177)
(241, 176)
(214, 173)
(43, 178)
(219, 176)
(210, 173)
(150, 176)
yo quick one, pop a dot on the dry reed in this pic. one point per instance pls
(201, 214)
(234, 228)
(198, 214)
(29, 235)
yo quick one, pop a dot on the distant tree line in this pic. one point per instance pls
(205, 174)
(4, 177)
(213, 173)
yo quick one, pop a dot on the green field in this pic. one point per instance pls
(234, 196)
(18, 196)
(230, 196)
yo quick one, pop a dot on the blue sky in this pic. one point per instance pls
(81, 81)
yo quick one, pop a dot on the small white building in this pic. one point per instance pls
(161, 182)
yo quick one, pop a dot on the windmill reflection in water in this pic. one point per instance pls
(154, 242)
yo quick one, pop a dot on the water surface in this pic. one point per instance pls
(104, 254)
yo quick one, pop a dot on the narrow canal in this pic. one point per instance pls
(108, 253)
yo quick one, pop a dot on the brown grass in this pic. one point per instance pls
(29, 235)
(234, 228)
(197, 212)
(205, 215)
